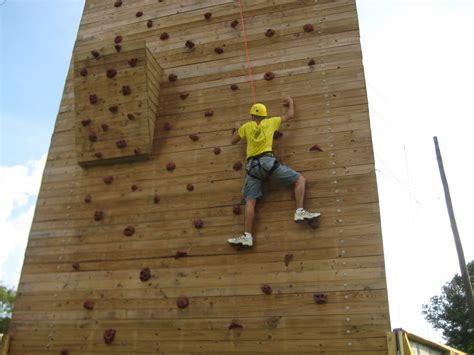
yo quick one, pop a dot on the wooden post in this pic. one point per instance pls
(457, 240)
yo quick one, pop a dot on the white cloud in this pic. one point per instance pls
(19, 186)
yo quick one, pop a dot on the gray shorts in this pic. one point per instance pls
(253, 185)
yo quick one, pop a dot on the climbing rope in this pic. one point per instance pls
(247, 54)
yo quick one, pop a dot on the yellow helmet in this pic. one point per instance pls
(258, 110)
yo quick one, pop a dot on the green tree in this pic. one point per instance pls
(7, 298)
(448, 312)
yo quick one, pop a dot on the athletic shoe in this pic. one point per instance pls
(303, 215)
(244, 239)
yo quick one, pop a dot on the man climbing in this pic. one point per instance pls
(261, 163)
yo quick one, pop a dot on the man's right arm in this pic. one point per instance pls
(288, 102)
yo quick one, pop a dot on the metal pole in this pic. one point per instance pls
(457, 240)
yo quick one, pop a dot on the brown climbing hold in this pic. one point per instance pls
(145, 274)
(134, 187)
(108, 179)
(76, 266)
(209, 113)
(86, 122)
(311, 62)
(64, 352)
(118, 3)
(181, 254)
(118, 47)
(133, 62)
(217, 150)
(83, 72)
(93, 137)
(320, 298)
(156, 198)
(198, 223)
(308, 27)
(207, 15)
(182, 302)
(234, 323)
(189, 44)
(139, 14)
(237, 210)
(89, 305)
(95, 54)
(269, 32)
(98, 215)
(98, 154)
(234, 87)
(105, 127)
(88, 198)
(126, 90)
(113, 109)
(121, 143)
(93, 99)
(218, 50)
(277, 134)
(266, 289)
(172, 77)
(149, 24)
(164, 36)
(237, 166)
(118, 39)
(315, 147)
(189, 187)
(167, 126)
(194, 137)
(234, 23)
(269, 76)
(137, 151)
(170, 166)
(184, 95)
(131, 116)
(129, 231)
(288, 258)
(109, 334)
(111, 73)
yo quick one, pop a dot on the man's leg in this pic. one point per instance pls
(249, 215)
(300, 186)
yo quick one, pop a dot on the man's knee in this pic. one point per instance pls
(301, 180)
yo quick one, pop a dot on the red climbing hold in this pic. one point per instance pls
(320, 298)
(288, 258)
(167, 126)
(98, 215)
(88, 198)
(266, 289)
(164, 36)
(311, 62)
(218, 50)
(121, 143)
(118, 3)
(194, 137)
(137, 151)
(277, 134)
(181, 254)
(198, 223)
(83, 72)
(172, 77)
(108, 179)
(64, 352)
(95, 54)
(234, 87)
(234, 23)
(184, 95)
(133, 62)
(131, 116)
(207, 15)
(109, 336)
(149, 24)
(105, 127)
(269, 32)
(86, 122)
(156, 198)
(189, 44)
(118, 47)
(237, 166)
(76, 266)
(89, 305)
(217, 150)
(237, 210)
(134, 187)
(145, 274)
(126, 90)
(113, 109)
(111, 73)
(93, 99)
(269, 76)
(98, 154)
(315, 147)
(182, 302)
(209, 113)
(190, 187)
(118, 39)
(308, 27)
(93, 137)
(234, 323)
(139, 14)
(170, 166)
(129, 231)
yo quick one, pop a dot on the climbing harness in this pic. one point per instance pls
(256, 158)
(247, 53)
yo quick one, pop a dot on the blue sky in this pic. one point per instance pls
(418, 62)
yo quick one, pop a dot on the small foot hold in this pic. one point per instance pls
(315, 222)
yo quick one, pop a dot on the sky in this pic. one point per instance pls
(418, 57)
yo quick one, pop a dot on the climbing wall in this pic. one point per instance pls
(128, 255)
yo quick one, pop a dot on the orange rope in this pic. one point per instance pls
(247, 54)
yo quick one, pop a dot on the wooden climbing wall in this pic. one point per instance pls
(100, 232)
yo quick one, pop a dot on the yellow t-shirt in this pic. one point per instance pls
(259, 136)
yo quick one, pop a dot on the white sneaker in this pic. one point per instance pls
(303, 215)
(244, 239)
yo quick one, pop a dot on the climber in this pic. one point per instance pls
(261, 163)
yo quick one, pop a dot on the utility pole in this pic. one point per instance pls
(457, 240)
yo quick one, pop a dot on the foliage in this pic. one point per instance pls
(449, 312)
(7, 298)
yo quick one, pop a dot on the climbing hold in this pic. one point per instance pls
(266, 289)
(137, 151)
(93, 99)
(108, 179)
(172, 77)
(315, 147)
(217, 150)
(83, 72)
(156, 198)
(118, 47)
(269, 32)
(234, 87)
(182, 302)
(149, 24)
(95, 54)
(113, 109)
(269, 76)
(118, 3)
(311, 62)
(167, 126)
(218, 50)
(320, 298)
(145, 274)
(237, 166)
(237, 210)
(111, 73)
(134, 187)
(308, 27)
(98, 154)
(207, 15)
(133, 62)
(86, 122)
(194, 137)
(198, 223)
(126, 90)
(189, 187)
(288, 258)
(98, 215)
(277, 134)
(170, 166)
(89, 305)
(109, 334)
(121, 143)
(105, 127)
(209, 113)
(76, 266)
(184, 95)
(93, 137)
(234, 323)
(131, 116)
(189, 44)
(88, 198)
(164, 36)
(234, 23)
(139, 14)
(181, 254)
(64, 352)
(118, 39)
(129, 231)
